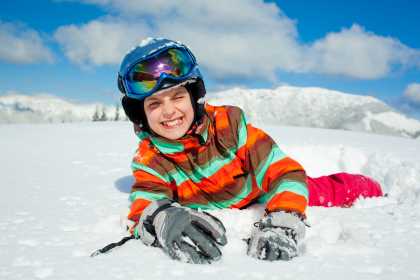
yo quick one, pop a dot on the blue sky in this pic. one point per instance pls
(73, 48)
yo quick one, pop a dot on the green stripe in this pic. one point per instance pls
(205, 132)
(167, 147)
(179, 175)
(286, 185)
(227, 203)
(146, 195)
(136, 233)
(275, 155)
(198, 173)
(138, 166)
(242, 131)
(142, 135)
(210, 206)
(213, 165)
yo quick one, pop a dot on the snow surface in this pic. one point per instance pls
(65, 187)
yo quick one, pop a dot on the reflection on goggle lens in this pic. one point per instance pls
(144, 76)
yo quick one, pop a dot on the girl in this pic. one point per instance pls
(193, 156)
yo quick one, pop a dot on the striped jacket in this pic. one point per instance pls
(222, 163)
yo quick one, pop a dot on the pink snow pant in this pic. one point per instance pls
(341, 189)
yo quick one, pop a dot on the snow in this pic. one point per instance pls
(65, 188)
(285, 105)
(318, 107)
(398, 121)
(19, 108)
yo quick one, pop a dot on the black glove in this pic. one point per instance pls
(183, 233)
(276, 237)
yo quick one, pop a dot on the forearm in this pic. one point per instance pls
(146, 189)
(281, 179)
(288, 193)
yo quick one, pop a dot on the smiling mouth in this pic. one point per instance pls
(173, 123)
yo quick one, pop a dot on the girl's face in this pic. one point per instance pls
(169, 113)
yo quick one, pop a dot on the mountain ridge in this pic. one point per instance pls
(318, 107)
(285, 105)
(43, 108)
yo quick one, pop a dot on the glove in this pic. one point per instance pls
(276, 237)
(183, 233)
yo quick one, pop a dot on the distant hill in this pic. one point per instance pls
(17, 108)
(286, 105)
(319, 107)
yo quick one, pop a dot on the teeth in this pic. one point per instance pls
(173, 122)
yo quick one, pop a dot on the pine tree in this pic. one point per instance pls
(103, 115)
(95, 116)
(117, 112)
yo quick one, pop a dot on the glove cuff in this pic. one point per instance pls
(285, 220)
(145, 229)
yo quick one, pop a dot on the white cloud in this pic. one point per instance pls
(357, 53)
(412, 93)
(242, 38)
(100, 41)
(20, 44)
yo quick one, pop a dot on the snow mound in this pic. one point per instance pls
(17, 108)
(318, 107)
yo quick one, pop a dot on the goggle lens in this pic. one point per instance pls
(144, 76)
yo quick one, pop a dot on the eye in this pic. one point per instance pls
(153, 105)
(179, 97)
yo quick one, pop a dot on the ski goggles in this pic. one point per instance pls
(149, 75)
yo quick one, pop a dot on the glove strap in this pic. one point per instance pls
(148, 221)
(145, 229)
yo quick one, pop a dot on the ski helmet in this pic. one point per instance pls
(154, 65)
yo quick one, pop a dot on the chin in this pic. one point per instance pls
(172, 135)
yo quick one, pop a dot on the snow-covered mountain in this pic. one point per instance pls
(286, 105)
(319, 107)
(17, 108)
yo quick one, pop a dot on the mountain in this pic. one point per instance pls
(286, 105)
(319, 107)
(17, 108)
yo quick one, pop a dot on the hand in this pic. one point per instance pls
(184, 234)
(276, 237)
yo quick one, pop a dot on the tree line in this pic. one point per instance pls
(100, 114)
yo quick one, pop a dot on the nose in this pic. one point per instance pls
(168, 109)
